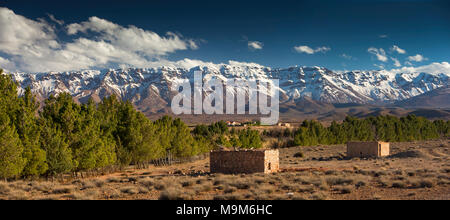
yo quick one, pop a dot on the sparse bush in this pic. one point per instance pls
(43, 186)
(83, 195)
(4, 188)
(241, 184)
(336, 180)
(330, 172)
(63, 190)
(114, 194)
(203, 188)
(303, 189)
(305, 180)
(187, 183)
(319, 196)
(384, 182)
(17, 195)
(143, 190)
(162, 185)
(174, 194)
(399, 184)
(229, 189)
(289, 187)
(422, 184)
(361, 183)
(99, 183)
(344, 189)
(299, 155)
(88, 185)
(220, 180)
(130, 190)
(259, 180)
(113, 180)
(148, 182)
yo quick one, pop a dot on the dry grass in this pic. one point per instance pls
(422, 183)
(344, 189)
(383, 178)
(91, 195)
(339, 180)
(4, 188)
(175, 194)
(63, 190)
(130, 190)
(319, 196)
(399, 184)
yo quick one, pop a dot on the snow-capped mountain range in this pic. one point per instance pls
(149, 88)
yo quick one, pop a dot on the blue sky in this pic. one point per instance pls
(335, 34)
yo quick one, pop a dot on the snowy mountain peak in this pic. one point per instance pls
(147, 86)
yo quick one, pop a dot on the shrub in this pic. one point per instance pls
(319, 196)
(399, 184)
(63, 190)
(299, 154)
(338, 180)
(148, 182)
(174, 194)
(130, 190)
(4, 188)
(423, 184)
(344, 189)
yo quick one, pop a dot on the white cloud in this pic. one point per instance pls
(33, 46)
(379, 53)
(19, 34)
(396, 62)
(383, 36)
(309, 50)
(433, 68)
(304, 49)
(132, 38)
(52, 18)
(6, 64)
(323, 49)
(397, 49)
(417, 58)
(379, 66)
(255, 45)
(348, 57)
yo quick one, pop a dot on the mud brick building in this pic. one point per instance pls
(367, 149)
(244, 161)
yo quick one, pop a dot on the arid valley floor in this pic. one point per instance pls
(415, 170)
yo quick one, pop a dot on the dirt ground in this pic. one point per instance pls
(415, 170)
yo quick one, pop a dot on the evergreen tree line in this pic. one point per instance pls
(67, 137)
(219, 135)
(380, 128)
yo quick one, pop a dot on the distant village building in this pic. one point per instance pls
(287, 125)
(367, 149)
(233, 124)
(244, 161)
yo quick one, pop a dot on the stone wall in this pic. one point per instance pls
(272, 161)
(244, 161)
(367, 149)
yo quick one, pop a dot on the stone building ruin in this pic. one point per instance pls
(244, 161)
(367, 149)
